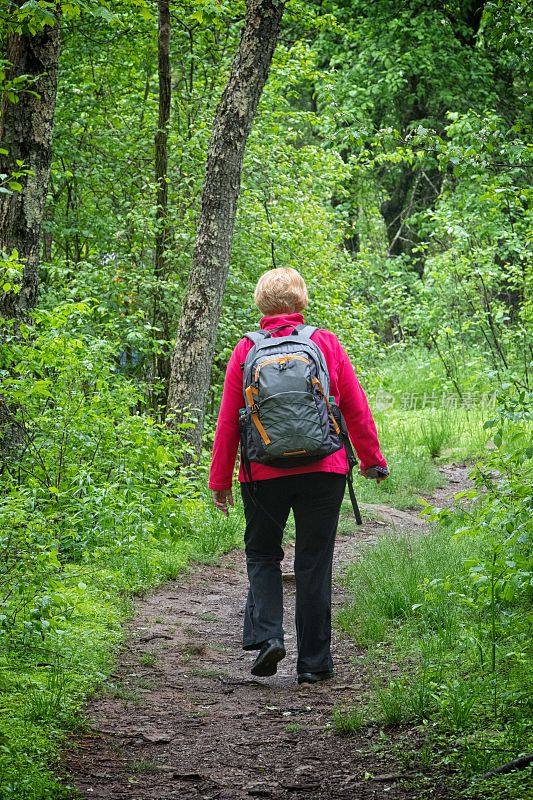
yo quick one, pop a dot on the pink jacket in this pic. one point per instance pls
(344, 387)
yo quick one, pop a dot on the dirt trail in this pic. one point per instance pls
(182, 717)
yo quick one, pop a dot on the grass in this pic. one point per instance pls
(293, 727)
(205, 672)
(43, 686)
(145, 767)
(417, 618)
(444, 616)
(40, 706)
(389, 580)
(148, 659)
(417, 375)
(415, 442)
(123, 693)
(348, 721)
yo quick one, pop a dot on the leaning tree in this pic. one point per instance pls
(195, 342)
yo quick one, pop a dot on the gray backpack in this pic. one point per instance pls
(289, 418)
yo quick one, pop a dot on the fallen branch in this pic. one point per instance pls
(517, 763)
(152, 636)
(392, 777)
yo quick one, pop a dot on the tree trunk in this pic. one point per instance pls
(160, 318)
(26, 133)
(413, 191)
(195, 343)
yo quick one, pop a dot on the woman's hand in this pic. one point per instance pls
(223, 498)
(377, 474)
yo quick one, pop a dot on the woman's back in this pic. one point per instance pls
(344, 387)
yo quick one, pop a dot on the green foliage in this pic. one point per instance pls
(389, 163)
(437, 432)
(431, 122)
(91, 477)
(95, 506)
(10, 272)
(409, 438)
(348, 721)
(388, 581)
(452, 608)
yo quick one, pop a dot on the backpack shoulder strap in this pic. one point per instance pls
(255, 336)
(305, 330)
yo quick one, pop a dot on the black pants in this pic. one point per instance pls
(315, 499)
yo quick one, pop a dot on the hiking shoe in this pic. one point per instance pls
(314, 677)
(266, 663)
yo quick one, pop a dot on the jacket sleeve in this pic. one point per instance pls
(226, 442)
(356, 412)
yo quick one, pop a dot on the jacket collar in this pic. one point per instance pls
(285, 320)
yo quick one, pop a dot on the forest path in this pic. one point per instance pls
(182, 717)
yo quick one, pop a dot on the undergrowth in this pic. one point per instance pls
(446, 617)
(410, 450)
(45, 679)
(95, 509)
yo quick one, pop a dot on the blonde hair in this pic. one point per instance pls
(279, 291)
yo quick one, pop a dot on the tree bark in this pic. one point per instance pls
(26, 133)
(160, 318)
(195, 342)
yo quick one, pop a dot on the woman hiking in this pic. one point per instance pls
(290, 397)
